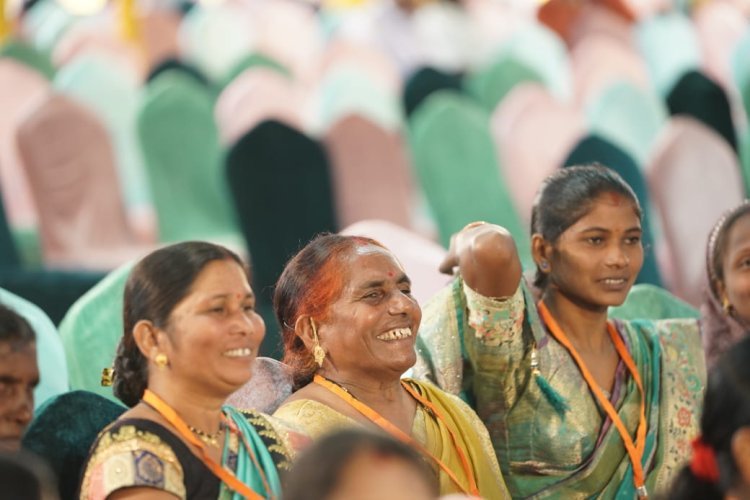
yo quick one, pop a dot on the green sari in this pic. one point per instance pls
(550, 436)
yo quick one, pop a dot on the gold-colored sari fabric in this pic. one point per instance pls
(317, 419)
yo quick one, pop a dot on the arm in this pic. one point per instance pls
(141, 493)
(487, 259)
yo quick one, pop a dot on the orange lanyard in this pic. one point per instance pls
(394, 431)
(226, 476)
(635, 450)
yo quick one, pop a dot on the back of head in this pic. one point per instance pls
(568, 195)
(310, 283)
(322, 469)
(713, 471)
(25, 476)
(155, 286)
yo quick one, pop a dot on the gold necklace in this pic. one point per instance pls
(209, 439)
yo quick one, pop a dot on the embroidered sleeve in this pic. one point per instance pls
(281, 440)
(494, 320)
(129, 457)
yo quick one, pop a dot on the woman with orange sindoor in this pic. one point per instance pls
(577, 405)
(191, 334)
(349, 324)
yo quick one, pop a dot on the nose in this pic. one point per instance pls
(401, 303)
(23, 408)
(248, 323)
(617, 257)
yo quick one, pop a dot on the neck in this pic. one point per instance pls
(371, 391)
(585, 326)
(194, 407)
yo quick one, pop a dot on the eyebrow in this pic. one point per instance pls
(248, 295)
(605, 230)
(377, 283)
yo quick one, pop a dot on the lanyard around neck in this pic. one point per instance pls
(635, 449)
(394, 431)
(226, 476)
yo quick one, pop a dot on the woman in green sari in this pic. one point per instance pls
(191, 335)
(577, 405)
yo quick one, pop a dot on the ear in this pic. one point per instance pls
(541, 251)
(304, 330)
(741, 452)
(721, 290)
(149, 339)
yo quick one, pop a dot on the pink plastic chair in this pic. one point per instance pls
(365, 59)
(419, 256)
(693, 176)
(533, 133)
(371, 172)
(599, 61)
(70, 163)
(255, 95)
(159, 31)
(719, 25)
(20, 88)
(596, 19)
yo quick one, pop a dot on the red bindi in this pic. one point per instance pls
(391, 274)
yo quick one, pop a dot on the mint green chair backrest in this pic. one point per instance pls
(628, 117)
(28, 55)
(253, 60)
(647, 301)
(91, 331)
(113, 94)
(669, 46)
(456, 164)
(50, 357)
(741, 69)
(180, 144)
(493, 82)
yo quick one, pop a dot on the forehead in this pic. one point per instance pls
(739, 233)
(18, 359)
(220, 276)
(608, 211)
(371, 262)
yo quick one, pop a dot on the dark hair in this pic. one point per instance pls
(24, 475)
(319, 469)
(155, 286)
(14, 328)
(726, 408)
(568, 195)
(311, 281)
(717, 244)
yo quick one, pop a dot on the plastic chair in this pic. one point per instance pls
(269, 386)
(489, 85)
(70, 162)
(694, 177)
(28, 56)
(719, 27)
(50, 357)
(456, 164)
(183, 161)
(254, 60)
(424, 82)
(280, 183)
(370, 171)
(652, 302)
(91, 331)
(629, 117)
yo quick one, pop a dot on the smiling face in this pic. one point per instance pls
(736, 269)
(596, 260)
(214, 332)
(370, 330)
(19, 376)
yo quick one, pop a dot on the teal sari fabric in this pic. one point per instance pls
(550, 435)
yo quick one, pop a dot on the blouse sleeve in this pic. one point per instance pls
(129, 457)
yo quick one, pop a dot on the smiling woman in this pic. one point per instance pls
(577, 405)
(349, 326)
(191, 335)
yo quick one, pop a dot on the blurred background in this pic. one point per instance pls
(129, 124)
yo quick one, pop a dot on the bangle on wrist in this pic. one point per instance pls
(471, 225)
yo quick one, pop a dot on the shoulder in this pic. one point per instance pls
(682, 332)
(134, 452)
(281, 439)
(311, 417)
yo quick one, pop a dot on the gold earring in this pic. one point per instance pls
(726, 305)
(161, 360)
(108, 376)
(318, 353)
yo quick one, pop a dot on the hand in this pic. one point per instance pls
(460, 241)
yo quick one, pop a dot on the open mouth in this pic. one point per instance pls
(240, 352)
(614, 281)
(395, 334)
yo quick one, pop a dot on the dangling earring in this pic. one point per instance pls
(161, 360)
(726, 305)
(544, 265)
(318, 353)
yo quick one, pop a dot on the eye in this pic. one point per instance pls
(6, 388)
(373, 295)
(745, 263)
(406, 290)
(633, 240)
(248, 307)
(595, 240)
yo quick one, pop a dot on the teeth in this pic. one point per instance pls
(395, 334)
(239, 352)
(611, 281)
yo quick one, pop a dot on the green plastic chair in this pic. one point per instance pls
(745, 159)
(91, 331)
(541, 49)
(25, 53)
(647, 301)
(669, 46)
(253, 60)
(183, 157)
(629, 117)
(456, 164)
(53, 371)
(493, 82)
(424, 82)
(113, 94)
(45, 23)
(741, 69)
